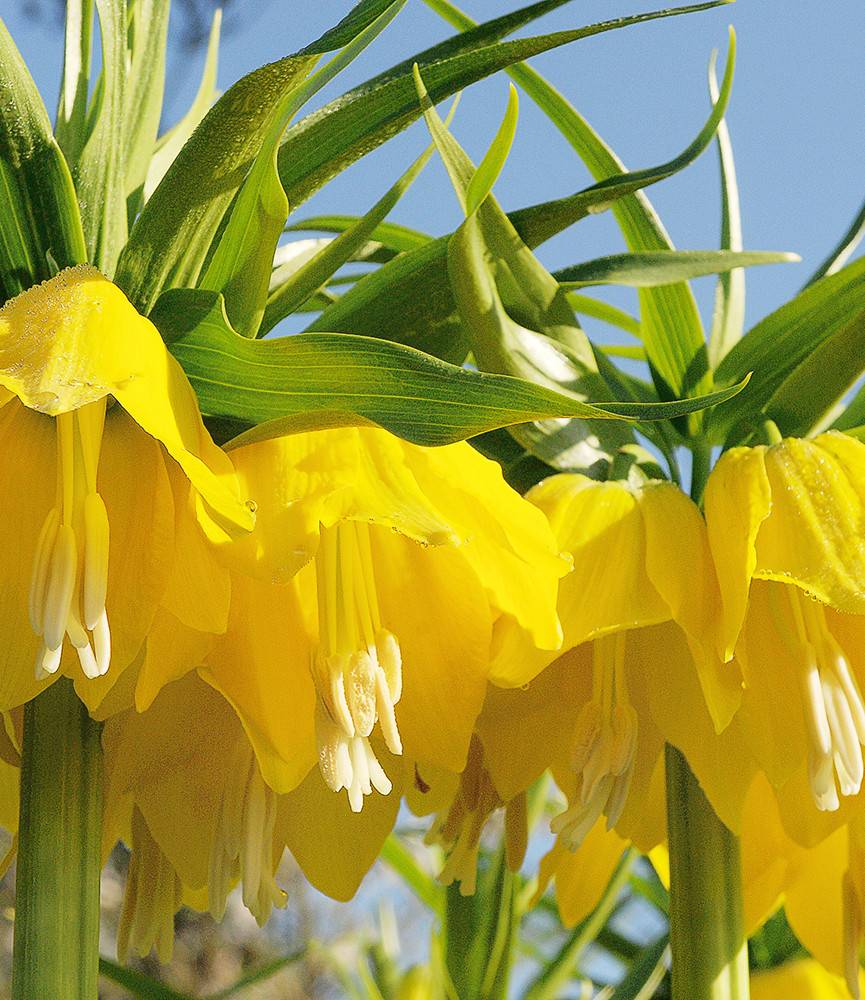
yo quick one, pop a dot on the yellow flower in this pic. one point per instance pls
(639, 666)
(79, 468)
(803, 979)
(787, 530)
(185, 792)
(363, 605)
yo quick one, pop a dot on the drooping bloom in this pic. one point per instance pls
(787, 530)
(186, 794)
(105, 455)
(638, 665)
(364, 603)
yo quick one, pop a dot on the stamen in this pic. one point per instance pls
(605, 743)
(243, 844)
(69, 581)
(357, 667)
(832, 701)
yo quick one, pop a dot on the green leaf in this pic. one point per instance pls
(170, 239)
(391, 235)
(100, 170)
(397, 856)
(170, 144)
(494, 160)
(289, 295)
(317, 380)
(606, 313)
(647, 972)
(672, 330)
(409, 300)
(137, 983)
(71, 124)
(145, 86)
(326, 142)
(825, 313)
(38, 209)
(260, 975)
(844, 250)
(663, 267)
(241, 266)
(518, 319)
(728, 316)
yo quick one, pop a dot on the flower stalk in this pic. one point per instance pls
(56, 951)
(707, 937)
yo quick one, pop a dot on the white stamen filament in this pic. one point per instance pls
(357, 667)
(604, 746)
(831, 698)
(243, 843)
(69, 581)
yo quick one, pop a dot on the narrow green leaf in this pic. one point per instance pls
(170, 239)
(326, 142)
(38, 209)
(317, 380)
(647, 972)
(137, 983)
(170, 144)
(773, 349)
(494, 159)
(603, 311)
(397, 856)
(260, 975)
(409, 300)
(391, 235)
(672, 329)
(728, 317)
(100, 170)
(145, 87)
(241, 266)
(844, 250)
(70, 126)
(287, 296)
(664, 267)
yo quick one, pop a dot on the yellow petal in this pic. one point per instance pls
(523, 731)
(679, 565)
(721, 763)
(581, 876)
(766, 855)
(172, 759)
(27, 455)
(334, 846)
(803, 979)
(437, 496)
(814, 901)
(601, 527)
(261, 665)
(737, 502)
(815, 536)
(76, 339)
(172, 651)
(435, 605)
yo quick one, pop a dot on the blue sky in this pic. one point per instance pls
(796, 118)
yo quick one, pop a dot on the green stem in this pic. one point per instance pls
(710, 958)
(56, 952)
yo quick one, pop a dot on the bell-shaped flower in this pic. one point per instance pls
(105, 453)
(787, 531)
(185, 792)
(802, 978)
(363, 605)
(638, 665)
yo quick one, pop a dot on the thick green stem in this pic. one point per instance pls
(56, 951)
(707, 937)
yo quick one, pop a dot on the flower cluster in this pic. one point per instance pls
(286, 637)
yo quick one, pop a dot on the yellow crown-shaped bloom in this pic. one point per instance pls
(364, 602)
(787, 531)
(97, 492)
